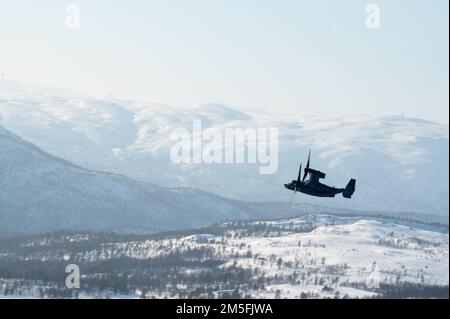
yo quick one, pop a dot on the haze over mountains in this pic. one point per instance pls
(401, 164)
(41, 193)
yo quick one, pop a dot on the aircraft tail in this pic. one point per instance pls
(349, 189)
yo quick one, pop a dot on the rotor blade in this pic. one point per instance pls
(309, 159)
(299, 174)
(307, 166)
(304, 175)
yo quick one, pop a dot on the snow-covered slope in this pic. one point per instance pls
(355, 249)
(41, 193)
(401, 164)
(360, 250)
(313, 256)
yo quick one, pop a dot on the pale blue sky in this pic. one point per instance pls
(286, 56)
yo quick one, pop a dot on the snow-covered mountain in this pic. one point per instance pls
(400, 164)
(41, 193)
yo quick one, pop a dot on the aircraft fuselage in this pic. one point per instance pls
(314, 189)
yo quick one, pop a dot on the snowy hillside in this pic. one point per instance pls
(41, 193)
(314, 256)
(400, 164)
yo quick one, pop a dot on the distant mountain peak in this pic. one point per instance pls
(11, 88)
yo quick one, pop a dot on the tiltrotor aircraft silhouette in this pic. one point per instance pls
(313, 187)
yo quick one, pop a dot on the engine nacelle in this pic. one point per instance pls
(315, 173)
